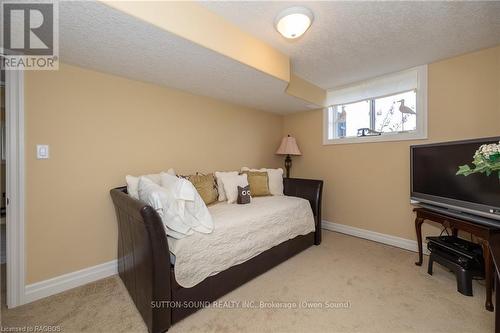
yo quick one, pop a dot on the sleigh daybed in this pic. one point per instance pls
(146, 266)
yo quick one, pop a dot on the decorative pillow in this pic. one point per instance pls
(231, 184)
(259, 183)
(206, 187)
(275, 179)
(163, 202)
(220, 176)
(244, 195)
(186, 206)
(133, 182)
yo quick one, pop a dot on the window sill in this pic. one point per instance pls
(381, 138)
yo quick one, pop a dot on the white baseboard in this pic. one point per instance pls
(68, 281)
(403, 243)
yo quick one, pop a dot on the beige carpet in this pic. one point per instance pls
(385, 290)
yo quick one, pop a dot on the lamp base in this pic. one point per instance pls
(288, 165)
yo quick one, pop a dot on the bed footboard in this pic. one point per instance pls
(309, 189)
(143, 259)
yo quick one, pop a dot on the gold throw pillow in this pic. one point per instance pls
(205, 185)
(259, 183)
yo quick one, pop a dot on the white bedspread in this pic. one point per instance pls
(241, 232)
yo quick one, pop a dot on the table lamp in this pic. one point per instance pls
(288, 147)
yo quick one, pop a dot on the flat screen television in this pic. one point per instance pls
(434, 180)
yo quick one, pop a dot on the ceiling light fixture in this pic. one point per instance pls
(293, 22)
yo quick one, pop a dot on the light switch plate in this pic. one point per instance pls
(42, 152)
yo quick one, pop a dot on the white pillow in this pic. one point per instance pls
(275, 179)
(133, 182)
(231, 184)
(164, 203)
(187, 204)
(220, 176)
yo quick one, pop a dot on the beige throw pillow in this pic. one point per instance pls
(275, 179)
(259, 183)
(206, 187)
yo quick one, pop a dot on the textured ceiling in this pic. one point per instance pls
(95, 36)
(352, 41)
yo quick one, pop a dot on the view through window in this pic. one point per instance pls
(390, 114)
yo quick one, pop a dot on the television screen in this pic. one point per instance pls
(434, 177)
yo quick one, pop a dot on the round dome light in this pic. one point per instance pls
(293, 22)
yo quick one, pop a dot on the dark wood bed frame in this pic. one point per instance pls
(144, 259)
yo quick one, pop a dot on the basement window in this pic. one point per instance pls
(390, 108)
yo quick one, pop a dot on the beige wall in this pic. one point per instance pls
(102, 127)
(367, 185)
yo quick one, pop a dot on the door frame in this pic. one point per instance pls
(15, 187)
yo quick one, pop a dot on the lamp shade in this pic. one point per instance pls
(288, 147)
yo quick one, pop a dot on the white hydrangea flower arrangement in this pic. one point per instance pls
(486, 160)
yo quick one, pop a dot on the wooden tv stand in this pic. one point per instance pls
(494, 244)
(485, 234)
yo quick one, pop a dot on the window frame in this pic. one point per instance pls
(420, 133)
